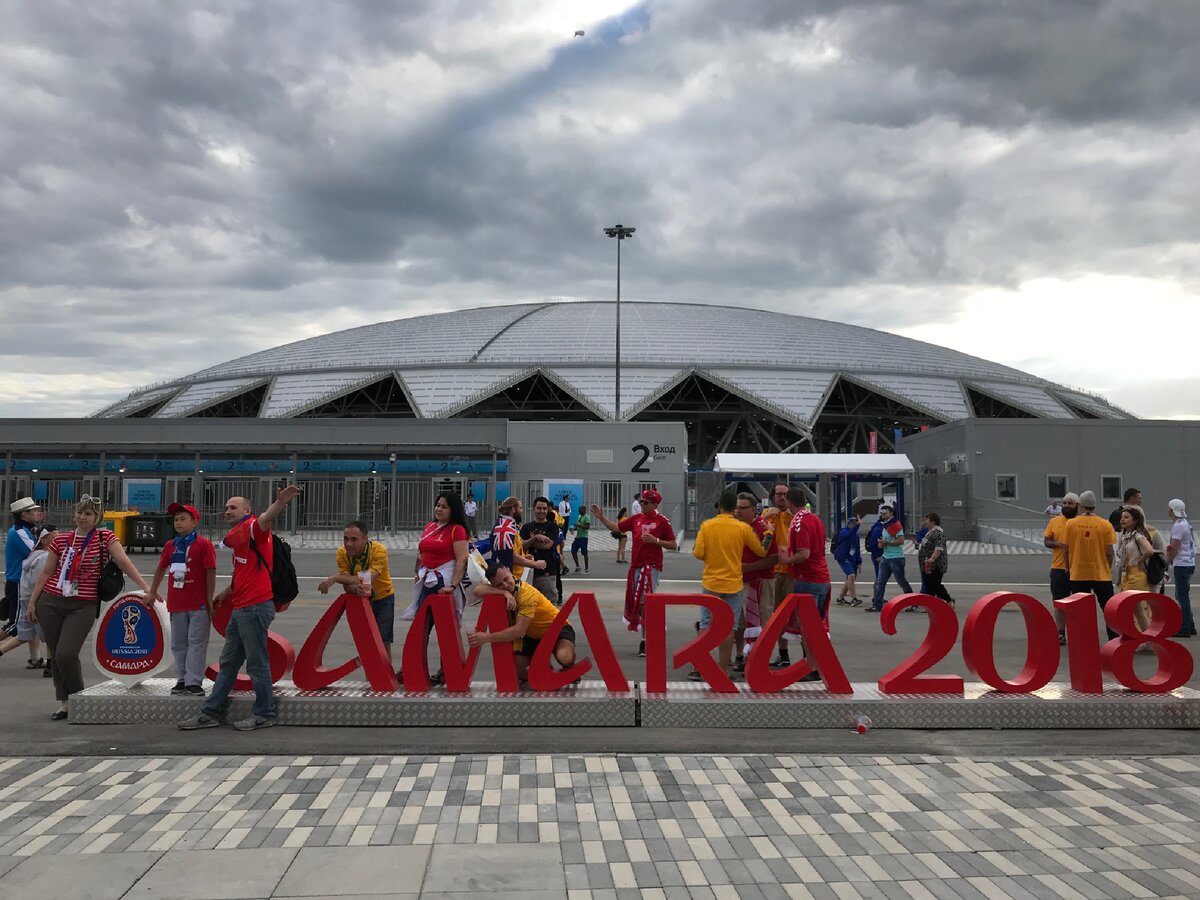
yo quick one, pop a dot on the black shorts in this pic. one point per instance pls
(1060, 584)
(529, 645)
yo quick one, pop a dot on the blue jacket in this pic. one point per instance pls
(845, 545)
(873, 536)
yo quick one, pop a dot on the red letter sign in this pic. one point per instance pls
(1041, 639)
(1174, 661)
(310, 672)
(939, 640)
(279, 650)
(759, 675)
(543, 678)
(492, 617)
(697, 652)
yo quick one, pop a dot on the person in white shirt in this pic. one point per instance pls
(471, 508)
(1181, 556)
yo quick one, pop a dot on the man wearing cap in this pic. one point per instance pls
(1181, 556)
(22, 538)
(1055, 539)
(892, 564)
(190, 560)
(652, 533)
(1089, 553)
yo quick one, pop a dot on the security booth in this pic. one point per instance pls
(846, 483)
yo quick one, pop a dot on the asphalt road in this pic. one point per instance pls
(864, 650)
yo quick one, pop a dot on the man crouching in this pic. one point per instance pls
(532, 615)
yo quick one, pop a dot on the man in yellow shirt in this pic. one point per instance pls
(1089, 553)
(719, 545)
(533, 615)
(362, 568)
(1055, 538)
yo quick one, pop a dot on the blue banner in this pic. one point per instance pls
(263, 466)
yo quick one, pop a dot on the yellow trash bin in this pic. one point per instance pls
(116, 521)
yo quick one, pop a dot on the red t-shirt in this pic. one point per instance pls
(761, 529)
(85, 563)
(251, 579)
(808, 531)
(647, 554)
(201, 559)
(436, 546)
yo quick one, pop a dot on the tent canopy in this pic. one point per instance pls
(814, 463)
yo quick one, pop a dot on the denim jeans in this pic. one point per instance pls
(887, 569)
(245, 642)
(1183, 586)
(734, 600)
(820, 593)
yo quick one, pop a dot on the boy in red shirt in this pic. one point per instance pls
(191, 561)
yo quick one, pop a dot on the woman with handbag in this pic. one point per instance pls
(1134, 549)
(66, 598)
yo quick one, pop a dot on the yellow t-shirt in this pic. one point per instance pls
(1056, 530)
(532, 604)
(376, 562)
(518, 550)
(719, 543)
(1087, 539)
(779, 520)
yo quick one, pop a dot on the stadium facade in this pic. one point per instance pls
(738, 379)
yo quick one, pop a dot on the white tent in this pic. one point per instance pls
(814, 463)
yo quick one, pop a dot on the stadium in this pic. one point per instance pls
(739, 379)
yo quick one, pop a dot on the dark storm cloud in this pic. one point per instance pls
(277, 169)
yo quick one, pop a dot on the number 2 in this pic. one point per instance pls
(939, 641)
(640, 465)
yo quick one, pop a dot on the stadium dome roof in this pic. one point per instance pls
(555, 360)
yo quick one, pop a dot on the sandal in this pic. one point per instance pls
(36, 663)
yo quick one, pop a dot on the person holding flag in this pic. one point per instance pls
(652, 533)
(892, 563)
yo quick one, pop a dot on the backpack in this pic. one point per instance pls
(873, 536)
(1156, 568)
(284, 586)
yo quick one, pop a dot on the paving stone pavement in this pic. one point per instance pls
(600, 826)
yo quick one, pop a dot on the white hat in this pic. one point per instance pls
(1176, 506)
(25, 503)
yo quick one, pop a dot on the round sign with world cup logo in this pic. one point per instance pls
(132, 638)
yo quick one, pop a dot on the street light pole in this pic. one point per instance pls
(620, 232)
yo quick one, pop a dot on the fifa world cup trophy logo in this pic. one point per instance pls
(131, 615)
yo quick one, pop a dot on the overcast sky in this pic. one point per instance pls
(1017, 180)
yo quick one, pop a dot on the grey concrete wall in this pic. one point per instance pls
(1159, 457)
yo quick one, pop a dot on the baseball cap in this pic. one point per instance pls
(651, 496)
(1176, 506)
(184, 507)
(19, 506)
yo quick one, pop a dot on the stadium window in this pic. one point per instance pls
(1110, 488)
(1006, 487)
(1056, 487)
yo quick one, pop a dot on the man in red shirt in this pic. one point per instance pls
(652, 533)
(250, 593)
(805, 556)
(191, 561)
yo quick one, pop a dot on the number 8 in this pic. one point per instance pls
(1174, 661)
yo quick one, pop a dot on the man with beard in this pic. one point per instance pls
(1055, 539)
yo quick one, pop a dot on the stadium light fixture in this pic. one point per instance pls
(620, 232)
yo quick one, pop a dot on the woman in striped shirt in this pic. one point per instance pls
(64, 599)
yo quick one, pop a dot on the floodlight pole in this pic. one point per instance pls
(620, 232)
